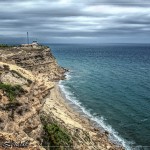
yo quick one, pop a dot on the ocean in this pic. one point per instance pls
(111, 84)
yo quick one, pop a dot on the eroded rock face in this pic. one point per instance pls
(32, 69)
(20, 116)
(37, 60)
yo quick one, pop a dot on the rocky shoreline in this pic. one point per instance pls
(33, 109)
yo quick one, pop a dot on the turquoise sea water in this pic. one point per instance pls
(111, 84)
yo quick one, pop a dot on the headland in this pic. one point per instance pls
(33, 112)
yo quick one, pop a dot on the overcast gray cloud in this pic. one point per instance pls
(75, 20)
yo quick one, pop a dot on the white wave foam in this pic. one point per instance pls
(99, 120)
(68, 76)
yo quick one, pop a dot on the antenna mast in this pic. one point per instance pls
(27, 38)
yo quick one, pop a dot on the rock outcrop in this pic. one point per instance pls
(37, 60)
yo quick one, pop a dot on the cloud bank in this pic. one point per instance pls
(75, 21)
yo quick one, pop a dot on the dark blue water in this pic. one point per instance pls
(112, 84)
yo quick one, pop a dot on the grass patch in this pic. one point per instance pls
(56, 137)
(11, 91)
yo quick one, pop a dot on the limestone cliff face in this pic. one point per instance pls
(37, 60)
(26, 77)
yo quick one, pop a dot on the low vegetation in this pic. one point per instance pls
(11, 91)
(55, 137)
(5, 45)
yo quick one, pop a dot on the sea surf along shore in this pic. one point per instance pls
(110, 83)
(34, 109)
(88, 136)
(75, 106)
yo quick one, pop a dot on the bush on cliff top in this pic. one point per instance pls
(5, 45)
(11, 91)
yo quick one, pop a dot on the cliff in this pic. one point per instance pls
(33, 70)
(31, 107)
(37, 59)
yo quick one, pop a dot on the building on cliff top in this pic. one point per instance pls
(33, 45)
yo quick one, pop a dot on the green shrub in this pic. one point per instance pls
(57, 137)
(11, 91)
(5, 45)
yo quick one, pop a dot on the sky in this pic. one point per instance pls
(75, 21)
